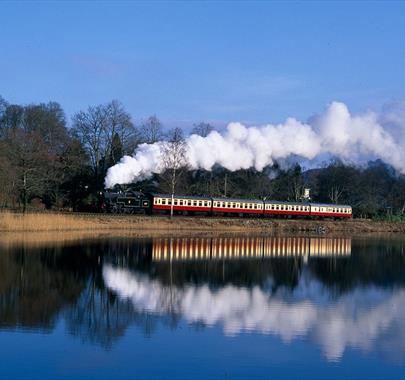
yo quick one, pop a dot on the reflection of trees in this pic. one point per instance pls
(39, 285)
(377, 262)
(282, 272)
(34, 286)
(98, 316)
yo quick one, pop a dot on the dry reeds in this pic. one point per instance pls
(137, 224)
(45, 222)
(55, 222)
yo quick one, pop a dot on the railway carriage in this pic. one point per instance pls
(330, 211)
(185, 204)
(237, 206)
(277, 208)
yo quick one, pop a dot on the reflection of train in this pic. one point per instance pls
(247, 247)
(135, 201)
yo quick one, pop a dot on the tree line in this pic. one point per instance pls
(49, 162)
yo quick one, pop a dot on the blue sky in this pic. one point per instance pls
(253, 62)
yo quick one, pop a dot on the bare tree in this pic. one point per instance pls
(98, 128)
(89, 127)
(118, 126)
(174, 160)
(152, 130)
(202, 129)
(295, 183)
(335, 192)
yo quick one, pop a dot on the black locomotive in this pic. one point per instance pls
(126, 201)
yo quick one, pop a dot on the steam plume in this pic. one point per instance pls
(335, 132)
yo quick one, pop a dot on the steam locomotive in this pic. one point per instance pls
(134, 201)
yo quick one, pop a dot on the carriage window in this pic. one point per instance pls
(180, 202)
(175, 202)
(169, 201)
(163, 201)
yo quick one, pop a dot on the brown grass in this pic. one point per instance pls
(146, 225)
(44, 222)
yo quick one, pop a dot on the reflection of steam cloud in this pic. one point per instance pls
(247, 247)
(366, 319)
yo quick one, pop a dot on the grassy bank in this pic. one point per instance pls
(53, 222)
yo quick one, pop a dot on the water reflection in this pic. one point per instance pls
(218, 248)
(362, 319)
(333, 292)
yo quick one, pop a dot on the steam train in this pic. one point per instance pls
(132, 202)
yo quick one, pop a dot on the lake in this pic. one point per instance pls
(204, 307)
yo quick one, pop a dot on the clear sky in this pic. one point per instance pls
(253, 62)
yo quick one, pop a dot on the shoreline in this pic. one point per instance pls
(146, 225)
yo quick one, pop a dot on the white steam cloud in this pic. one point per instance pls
(336, 132)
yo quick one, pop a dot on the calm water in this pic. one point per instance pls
(207, 307)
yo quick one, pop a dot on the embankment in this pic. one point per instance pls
(144, 225)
